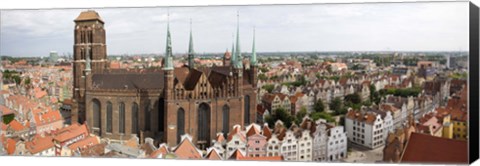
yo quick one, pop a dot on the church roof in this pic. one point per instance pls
(89, 15)
(133, 80)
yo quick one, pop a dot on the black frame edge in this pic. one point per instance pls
(473, 122)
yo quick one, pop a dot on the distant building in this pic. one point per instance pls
(53, 58)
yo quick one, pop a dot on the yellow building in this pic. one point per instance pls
(447, 127)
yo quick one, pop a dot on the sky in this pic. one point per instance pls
(320, 27)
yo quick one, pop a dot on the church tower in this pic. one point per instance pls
(168, 111)
(89, 40)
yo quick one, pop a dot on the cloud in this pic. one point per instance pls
(327, 27)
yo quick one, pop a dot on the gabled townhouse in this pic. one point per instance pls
(256, 142)
(236, 140)
(289, 146)
(368, 128)
(337, 143)
(305, 146)
(186, 149)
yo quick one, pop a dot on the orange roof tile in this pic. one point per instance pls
(70, 132)
(15, 125)
(186, 150)
(213, 155)
(163, 150)
(423, 148)
(236, 155)
(10, 146)
(39, 144)
(84, 143)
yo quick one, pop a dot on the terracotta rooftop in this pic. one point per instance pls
(236, 155)
(213, 155)
(17, 126)
(423, 148)
(85, 143)
(187, 150)
(163, 150)
(10, 146)
(70, 132)
(39, 144)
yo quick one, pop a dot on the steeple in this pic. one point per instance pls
(233, 59)
(168, 65)
(191, 55)
(238, 53)
(253, 58)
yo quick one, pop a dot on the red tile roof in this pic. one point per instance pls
(186, 150)
(70, 132)
(39, 144)
(17, 126)
(85, 143)
(213, 155)
(423, 148)
(163, 150)
(6, 110)
(10, 146)
(236, 155)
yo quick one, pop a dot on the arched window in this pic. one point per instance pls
(146, 113)
(109, 117)
(226, 119)
(121, 118)
(180, 123)
(134, 118)
(247, 110)
(97, 123)
(203, 123)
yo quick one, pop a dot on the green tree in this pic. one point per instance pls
(336, 104)
(322, 115)
(300, 115)
(269, 87)
(280, 114)
(262, 77)
(353, 98)
(318, 106)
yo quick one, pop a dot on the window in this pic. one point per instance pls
(226, 119)
(146, 113)
(134, 118)
(121, 118)
(109, 117)
(97, 116)
(180, 124)
(247, 110)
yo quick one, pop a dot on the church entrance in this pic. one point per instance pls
(203, 125)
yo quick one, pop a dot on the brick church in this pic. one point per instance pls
(162, 103)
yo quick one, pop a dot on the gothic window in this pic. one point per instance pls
(134, 118)
(226, 120)
(180, 123)
(247, 110)
(109, 117)
(204, 122)
(97, 123)
(121, 118)
(146, 113)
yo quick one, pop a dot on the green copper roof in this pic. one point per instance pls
(238, 52)
(232, 58)
(253, 58)
(191, 55)
(168, 51)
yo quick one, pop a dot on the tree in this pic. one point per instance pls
(262, 77)
(300, 115)
(280, 114)
(353, 98)
(269, 87)
(322, 115)
(336, 104)
(318, 106)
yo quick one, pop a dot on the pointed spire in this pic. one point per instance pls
(253, 58)
(232, 58)
(238, 53)
(168, 50)
(190, 48)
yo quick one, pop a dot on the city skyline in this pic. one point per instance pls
(322, 28)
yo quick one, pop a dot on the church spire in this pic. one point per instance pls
(232, 58)
(253, 58)
(238, 53)
(168, 65)
(191, 55)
